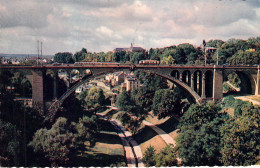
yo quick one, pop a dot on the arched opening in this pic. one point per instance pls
(74, 76)
(238, 83)
(197, 80)
(186, 77)
(63, 74)
(246, 84)
(209, 83)
(175, 74)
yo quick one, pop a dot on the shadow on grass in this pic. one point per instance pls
(169, 125)
(98, 160)
(106, 126)
(144, 135)
(108, 138)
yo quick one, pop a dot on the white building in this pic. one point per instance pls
(131, 82)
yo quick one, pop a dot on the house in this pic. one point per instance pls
(210, 49)
(131, 82)
(115, 78)
(131, 49)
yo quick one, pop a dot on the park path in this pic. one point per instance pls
(132, 149)
(233, 86)
(166, 137)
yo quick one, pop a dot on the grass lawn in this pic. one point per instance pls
(146, 137)
(108, 150)
(155, 142)
(170, 125)
(154, 120)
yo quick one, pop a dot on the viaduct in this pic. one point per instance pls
(203, 83)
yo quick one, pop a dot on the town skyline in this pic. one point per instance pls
(68, 26)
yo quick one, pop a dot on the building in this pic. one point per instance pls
(210, 49)
(115, 78)
(83, 87)
(131, 82)
(131, 49)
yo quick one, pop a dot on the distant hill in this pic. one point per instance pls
(23, 55)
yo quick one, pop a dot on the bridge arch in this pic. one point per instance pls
(175, 74)
(197, 80)
(248, 81)
(55, 106)
(209, 83)
(186, 77)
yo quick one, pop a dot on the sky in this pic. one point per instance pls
(102, 25)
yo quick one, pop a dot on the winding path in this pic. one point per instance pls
(166, 137)
(132, 149)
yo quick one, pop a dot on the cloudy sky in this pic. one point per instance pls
(102, 25)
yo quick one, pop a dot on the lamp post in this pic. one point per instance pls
(204, 48)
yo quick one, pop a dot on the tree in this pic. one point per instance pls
(63, 57)
(199, 137)
(62, 141)
(80, 55)
(166, 102)
(10, 149)
(149, 157)
(124, 100)
(165, 158)
(86, 132)
(55, 144)
(95, 98)
(240, 138)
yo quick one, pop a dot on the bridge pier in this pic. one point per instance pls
(203, 94)
(217, 85)
(257, 88)
(192, 82)
(55, 85)
(38, 90)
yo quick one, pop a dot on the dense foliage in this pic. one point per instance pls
(63, 57)
(210, 137)
(167, 102)
(199, 137)
(167, 157)
(59, 143)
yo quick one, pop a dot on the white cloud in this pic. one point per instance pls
(101, 25)
(104, 31)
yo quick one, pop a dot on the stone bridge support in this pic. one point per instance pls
(38, 91)
(257, 88)
(217, 85)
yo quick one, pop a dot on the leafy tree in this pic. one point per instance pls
(95, 98)
(149, 157)
(165, 158)
(80, 55)
(215, 43)
(143, 98)
(63, 57)
(167, 60)
(136, 57)
(241, 138)
(61, 142)
(166, 102)
(199, 138)
(55, 144)
(10, 149)
(124, 100)
(86, 130)
(245, 57)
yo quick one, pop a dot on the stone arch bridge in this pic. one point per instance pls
(202, 82)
